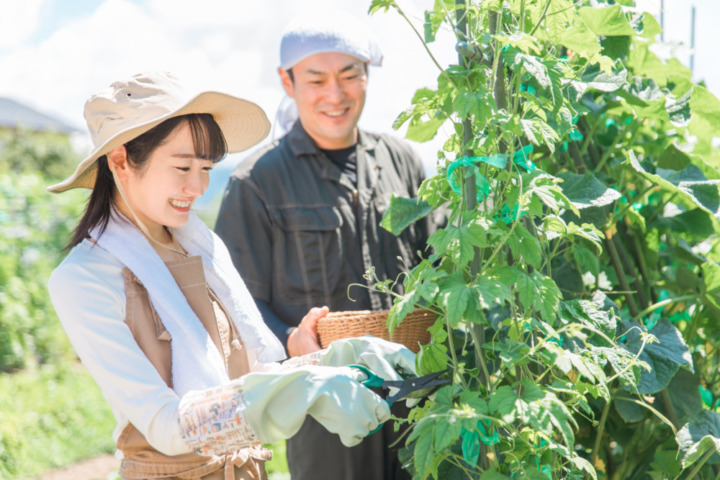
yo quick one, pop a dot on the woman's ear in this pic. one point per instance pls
(118, 162)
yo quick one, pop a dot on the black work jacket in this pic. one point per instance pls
(302, 235)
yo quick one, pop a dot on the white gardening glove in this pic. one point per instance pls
(388, 360)
(270, 406)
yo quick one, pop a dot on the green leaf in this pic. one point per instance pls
(491, 291)
(587, 260)
(711, 279)
(690, 183)
(431, 358)
(664, 357)
(678, 109)
(607, 21)
(528, 247)
(420, 131)
(705, 126)
(423, 453)
(510, 352)
(477, 103)
(453, 296)
(401, 308)
(684, 391)
(532, 65)
(586, 190)
(588, 232)
(446, 432)
(666, 463)
(588, 313)
(650, 26)
(381, 5)
(626, 406)
(579, 38)
(600, 81)
(521, 41)
(502, 401)
(698, 437)
(403, 212)
(539, 133)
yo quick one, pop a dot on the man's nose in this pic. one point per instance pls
(335, 93)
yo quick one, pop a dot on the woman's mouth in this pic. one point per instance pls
(182, 205)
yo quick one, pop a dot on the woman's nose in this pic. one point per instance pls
(196, 184)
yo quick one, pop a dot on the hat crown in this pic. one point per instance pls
(328, 31)
(132, 102)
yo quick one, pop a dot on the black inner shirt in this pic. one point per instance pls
(346, 160)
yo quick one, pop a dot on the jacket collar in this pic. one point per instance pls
(302, 144)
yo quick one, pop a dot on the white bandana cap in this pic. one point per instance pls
(328, 31)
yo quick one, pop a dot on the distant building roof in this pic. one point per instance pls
(14, 114)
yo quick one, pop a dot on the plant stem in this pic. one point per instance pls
(427, 49)
(610, 246)
(701, 463)
(600, 433)
(451, 344)
(620, 246)
(479, 339)
(542, 17)
(664, 303)
(669, 409)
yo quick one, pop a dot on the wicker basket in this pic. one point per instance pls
(411, 332)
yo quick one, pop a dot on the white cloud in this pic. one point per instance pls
(19, 21)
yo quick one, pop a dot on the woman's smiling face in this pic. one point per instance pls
(163, 191)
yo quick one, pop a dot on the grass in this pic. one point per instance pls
(55, 415)
(51, 417)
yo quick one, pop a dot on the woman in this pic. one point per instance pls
(157, 313)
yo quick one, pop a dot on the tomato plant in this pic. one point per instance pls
(576, 282)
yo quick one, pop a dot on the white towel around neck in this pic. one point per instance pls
(196, 361)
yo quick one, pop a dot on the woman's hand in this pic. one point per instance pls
(304, 339)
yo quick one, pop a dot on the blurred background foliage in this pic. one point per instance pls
(51, 412)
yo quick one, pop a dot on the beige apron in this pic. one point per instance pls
(140, 460)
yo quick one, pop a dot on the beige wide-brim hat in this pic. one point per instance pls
(131, 107)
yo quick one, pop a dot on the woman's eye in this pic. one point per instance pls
(207, 169)
(183, 169)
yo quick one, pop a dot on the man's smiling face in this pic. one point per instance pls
(329, 90)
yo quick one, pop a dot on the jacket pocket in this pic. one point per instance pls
(309, 254)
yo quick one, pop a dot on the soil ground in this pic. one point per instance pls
(93, 469)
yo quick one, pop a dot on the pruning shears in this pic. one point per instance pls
(417, 387)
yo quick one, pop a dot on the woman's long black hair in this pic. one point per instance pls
(208, 141)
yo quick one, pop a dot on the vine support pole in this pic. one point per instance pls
(471, 204)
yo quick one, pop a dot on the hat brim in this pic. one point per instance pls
(243, 123)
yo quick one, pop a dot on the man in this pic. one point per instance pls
(301, 220)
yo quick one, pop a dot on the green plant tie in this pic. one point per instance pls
(488, 440)
(482, 183)
(706, 396)
(507, 215)
(497, 160)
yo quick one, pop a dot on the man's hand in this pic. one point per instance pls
(304, 339)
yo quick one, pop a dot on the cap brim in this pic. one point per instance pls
(243, 123)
